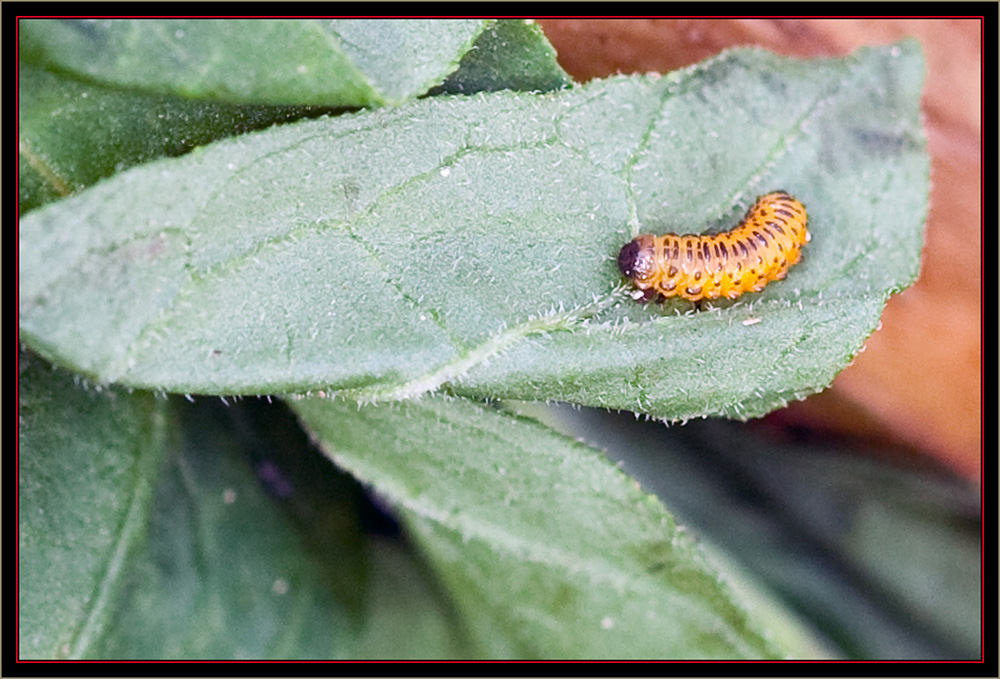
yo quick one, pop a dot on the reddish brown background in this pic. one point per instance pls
(918, 382)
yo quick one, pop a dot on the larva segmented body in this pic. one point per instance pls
(759, 250)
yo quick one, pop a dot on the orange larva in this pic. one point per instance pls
(761, 249)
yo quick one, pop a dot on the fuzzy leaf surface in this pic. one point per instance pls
(87, 464)
(72, 133)
(548, 550)
(470, 242)
(329, 62)
(163, 529)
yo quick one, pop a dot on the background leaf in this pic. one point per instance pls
(486, 227)
(509, 55)
(338, 62)
(86, 467)
(547, 549)
(73, 133)
(256, 551)
(172, 530)
(225, 572)
(884, 562)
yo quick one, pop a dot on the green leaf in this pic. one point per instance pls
(226, 572)
(882, 560)
(86, 466)
(547, 549)
(471, 241)
(919, 538)
(72, 133)
(510, 54)
(338, 62)
(156, 530)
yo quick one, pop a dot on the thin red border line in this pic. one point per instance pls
(533, 17)
(982, 297)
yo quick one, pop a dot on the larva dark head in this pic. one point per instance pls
(636, 260)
